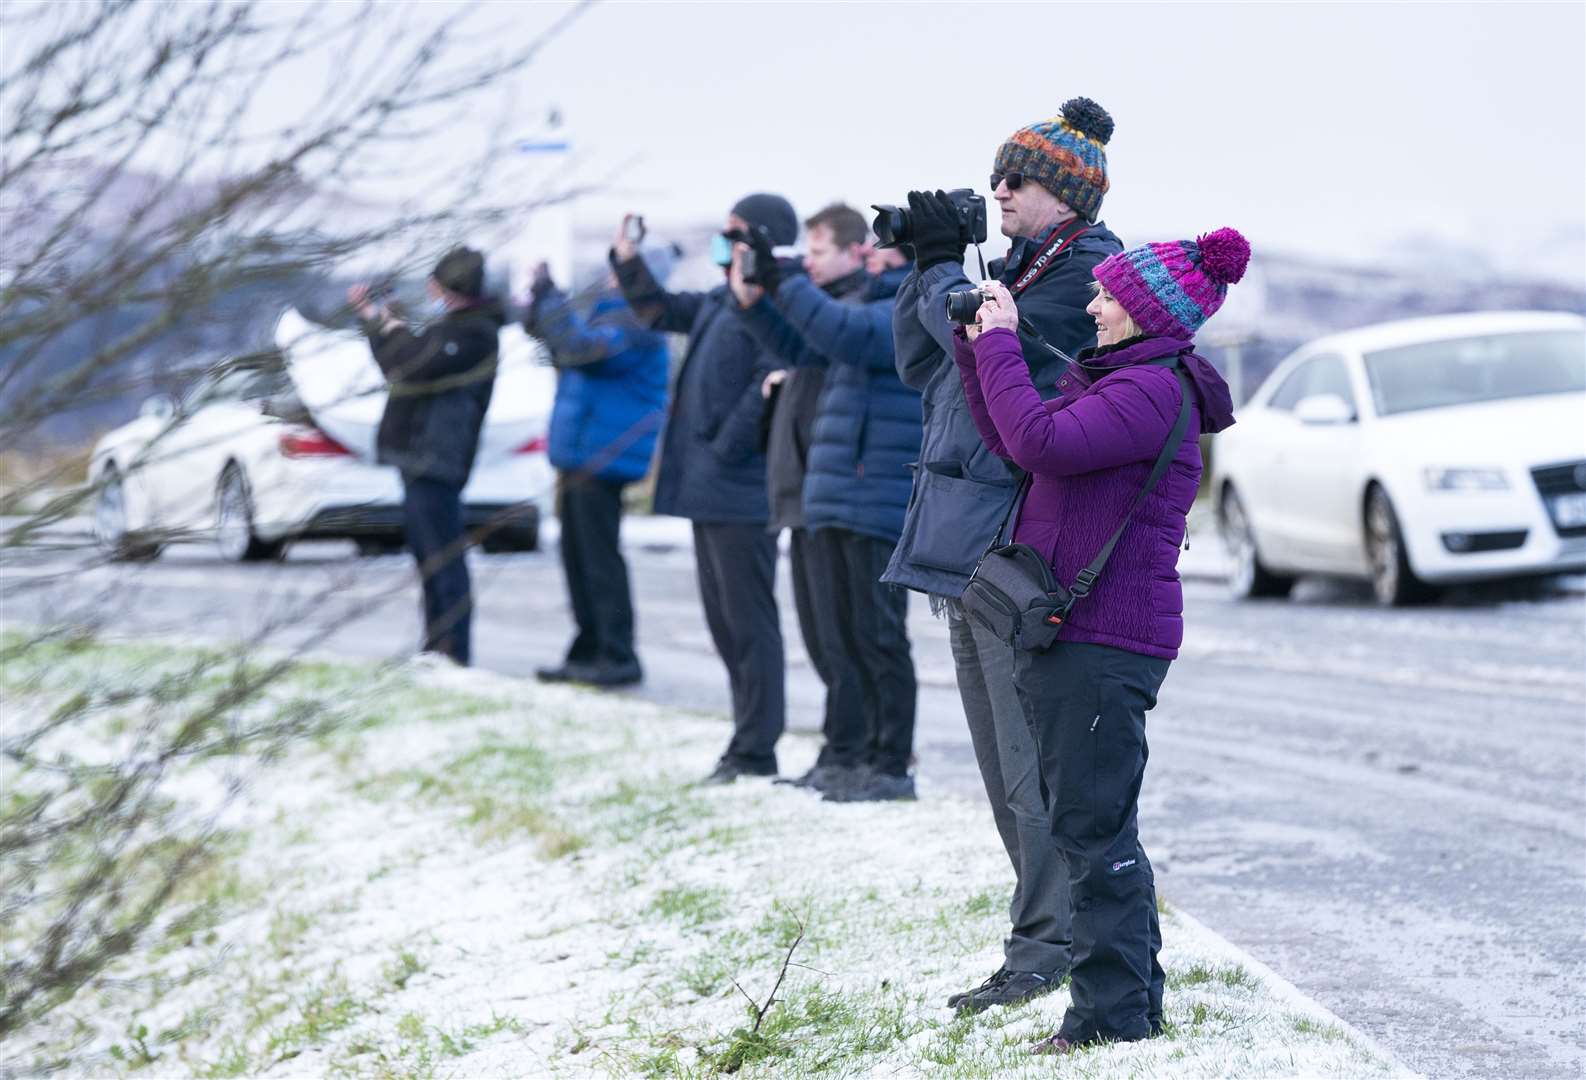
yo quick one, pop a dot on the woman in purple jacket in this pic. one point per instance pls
(1088, 452)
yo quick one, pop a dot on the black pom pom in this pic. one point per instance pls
(1088, 118)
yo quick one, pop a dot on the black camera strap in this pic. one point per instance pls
(1047, 258)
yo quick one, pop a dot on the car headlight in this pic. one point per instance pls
(1465, 480)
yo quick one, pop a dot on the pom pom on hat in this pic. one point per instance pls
(1224, 255)
(1088, 118)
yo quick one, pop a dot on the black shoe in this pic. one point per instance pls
(994, 980)
(609, 675)
(556, 674)
(821, 778)
(726, 772)
(877, 787)
(1016, 986)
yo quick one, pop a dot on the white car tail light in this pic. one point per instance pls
(311, 442)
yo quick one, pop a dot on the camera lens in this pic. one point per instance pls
(963, 305)
(892, 225)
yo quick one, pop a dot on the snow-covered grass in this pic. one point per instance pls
(476, 876)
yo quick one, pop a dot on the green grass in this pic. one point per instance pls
(693, 907)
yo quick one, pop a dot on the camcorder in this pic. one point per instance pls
(894, 225)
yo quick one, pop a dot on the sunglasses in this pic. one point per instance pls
(1015, 180)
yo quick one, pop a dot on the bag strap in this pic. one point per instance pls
(1087, 577)
(1002, 526)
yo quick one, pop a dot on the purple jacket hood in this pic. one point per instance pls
(1216, 402)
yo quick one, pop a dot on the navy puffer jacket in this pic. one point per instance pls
(712, 468)
(610, 386)
(867, 431)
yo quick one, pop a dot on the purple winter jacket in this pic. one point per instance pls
(1089, 452)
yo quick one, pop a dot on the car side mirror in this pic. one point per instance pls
(1324, 409)
(159, 407)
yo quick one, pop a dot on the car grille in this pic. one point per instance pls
(1555, 480)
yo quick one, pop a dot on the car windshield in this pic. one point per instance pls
(254, 379)
(1462, 371)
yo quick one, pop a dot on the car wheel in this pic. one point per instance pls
(374, 546)
(234, 535)
(110, 522)
(1393, 580)
(1249, 577)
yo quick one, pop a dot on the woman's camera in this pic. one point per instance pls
(963, 305)
(894, 225)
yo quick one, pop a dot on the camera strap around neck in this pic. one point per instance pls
(1046, 259)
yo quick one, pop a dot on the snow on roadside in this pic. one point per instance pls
(486, 877)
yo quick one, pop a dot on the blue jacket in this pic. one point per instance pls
(867, 429)
(712, 468)
(962, 490)
(610, 386)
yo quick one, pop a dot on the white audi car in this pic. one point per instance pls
(280, 447)
(1412, 454)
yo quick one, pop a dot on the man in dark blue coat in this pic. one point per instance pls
(440, 381)
(610, 402)
(1048, 180)
(712, 471)
(864, 433)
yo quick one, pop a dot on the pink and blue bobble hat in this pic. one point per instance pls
(1170, 289)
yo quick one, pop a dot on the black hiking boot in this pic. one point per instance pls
(1015, 986)
(994, 979)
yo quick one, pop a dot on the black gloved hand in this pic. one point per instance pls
(936, 236)
(768, 272)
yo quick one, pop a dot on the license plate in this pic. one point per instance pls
(1568, 510)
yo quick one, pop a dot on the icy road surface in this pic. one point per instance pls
(1389, 808)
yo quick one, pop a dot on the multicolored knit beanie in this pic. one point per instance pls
(1171, 289)
(1064, 155)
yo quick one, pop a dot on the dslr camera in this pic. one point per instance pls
(964, 304)
(894, 225)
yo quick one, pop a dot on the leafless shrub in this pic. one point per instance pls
(148, 181)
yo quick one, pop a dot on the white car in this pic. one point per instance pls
(1412, 454)
(279, 446)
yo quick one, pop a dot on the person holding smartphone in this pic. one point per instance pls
(712, 470)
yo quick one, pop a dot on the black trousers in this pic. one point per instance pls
(590, 510)
(816, 560)
(736, 565)
(872, 621)
(1087, 704)
(432, 518)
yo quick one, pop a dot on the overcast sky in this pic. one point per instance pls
(1333, 129)
(1364, 132)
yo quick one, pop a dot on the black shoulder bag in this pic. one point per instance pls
(1014, 593)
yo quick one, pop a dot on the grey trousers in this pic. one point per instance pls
(1010, 766)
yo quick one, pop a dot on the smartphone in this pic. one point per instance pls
(633, 228)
